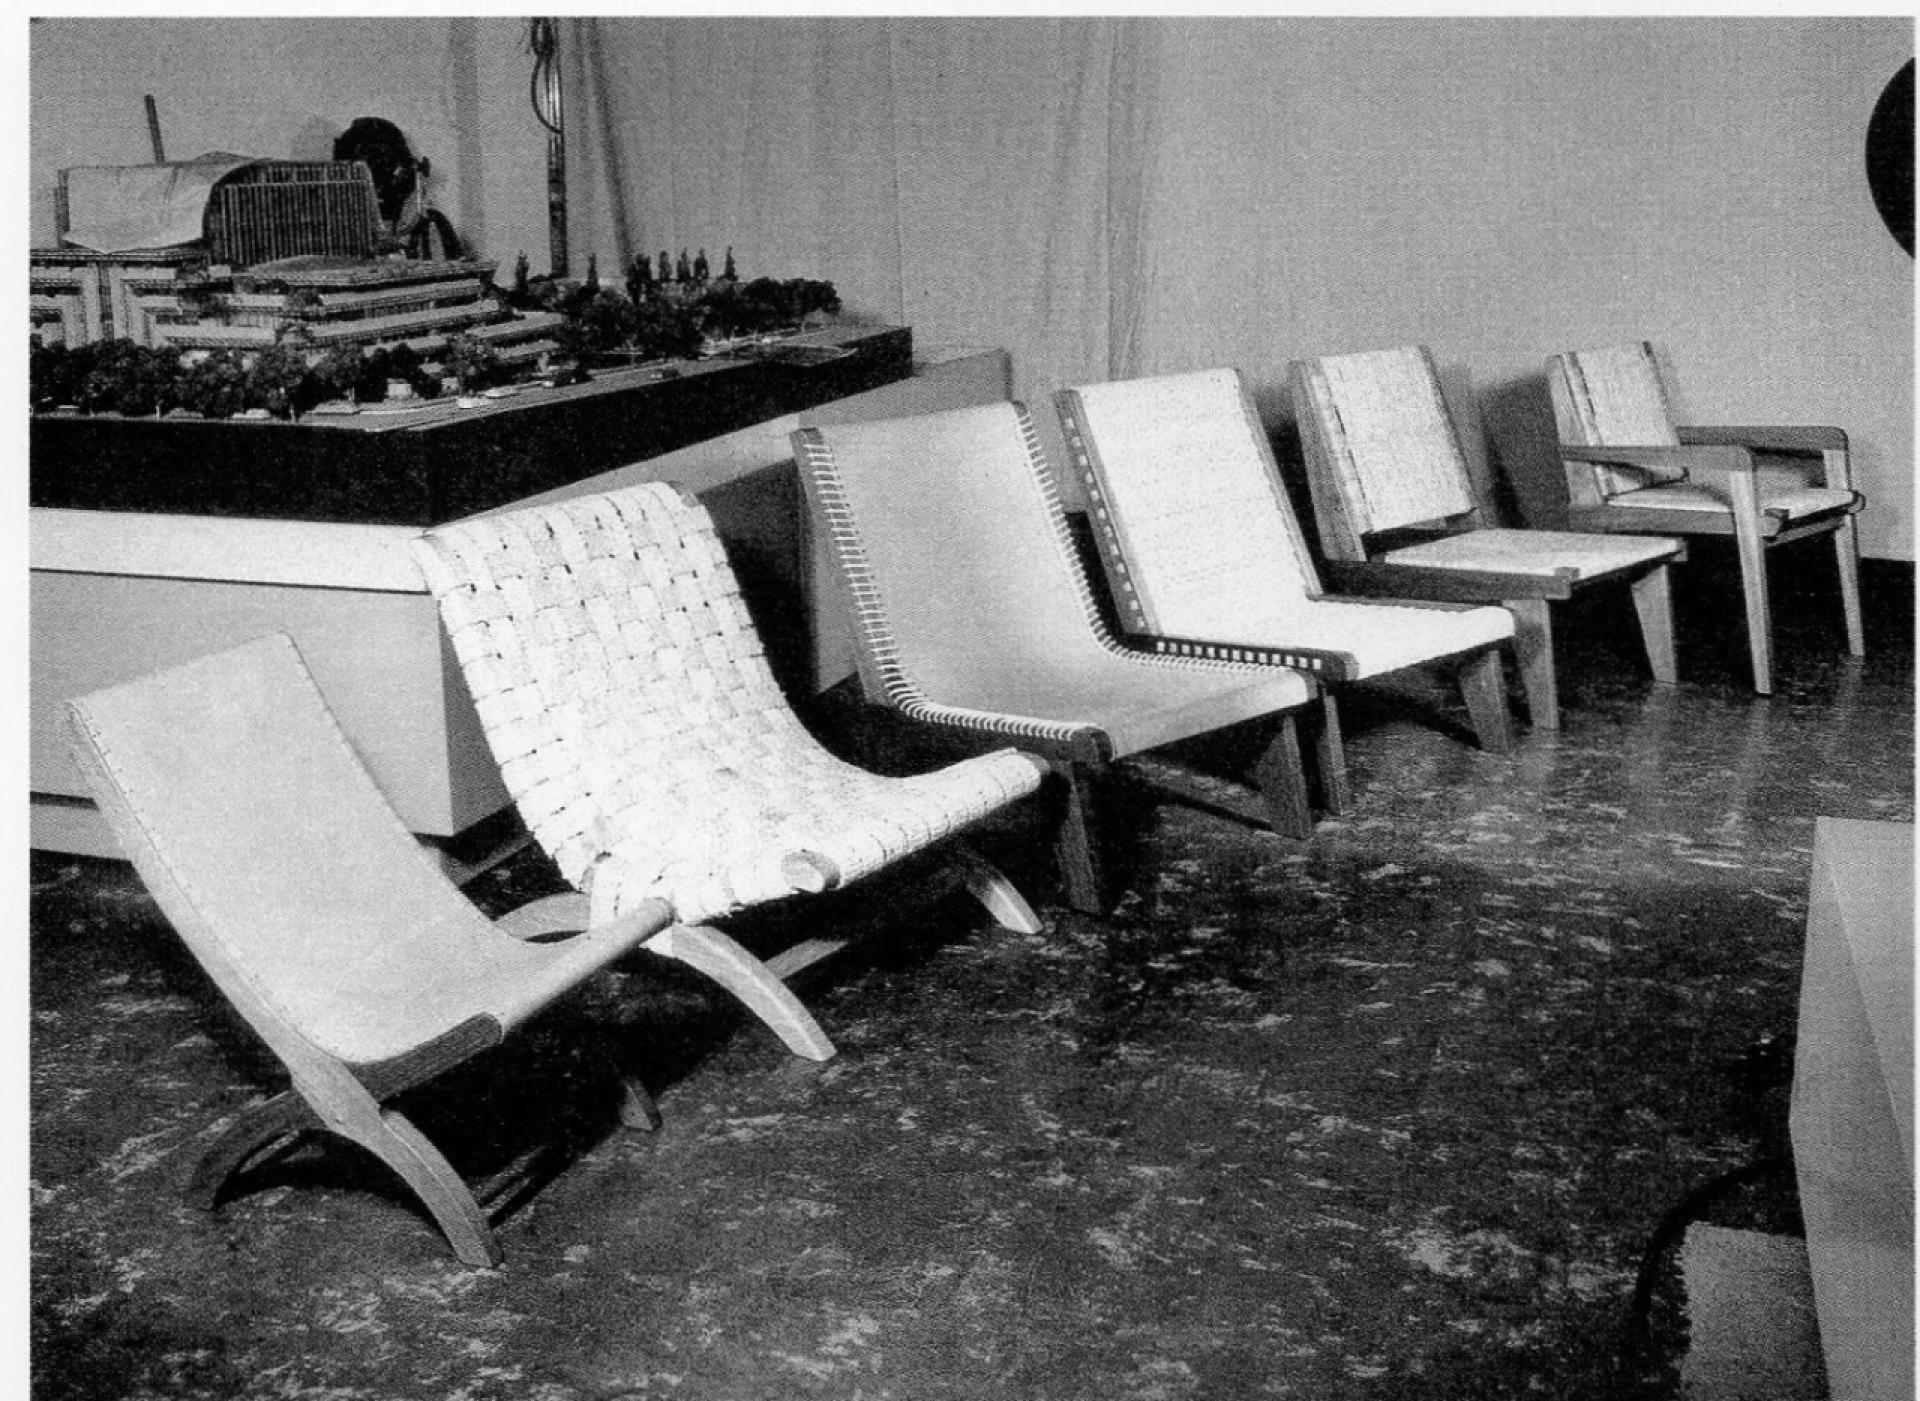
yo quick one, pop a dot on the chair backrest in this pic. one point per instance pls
(1192, 519)
(1381, 448)
(962, 572)
(1611, 396)
(611, 660)
(229, 784)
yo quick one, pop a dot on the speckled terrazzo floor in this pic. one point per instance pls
(1395, 1112)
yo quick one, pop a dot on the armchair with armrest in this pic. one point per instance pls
(1397, 516)
(1631, 469)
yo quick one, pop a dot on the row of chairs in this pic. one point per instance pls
(651, 754)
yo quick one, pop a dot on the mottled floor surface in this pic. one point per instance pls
(1412, 1109)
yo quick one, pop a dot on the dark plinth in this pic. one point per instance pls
(436, 463)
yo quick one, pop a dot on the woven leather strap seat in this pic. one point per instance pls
(640, 731)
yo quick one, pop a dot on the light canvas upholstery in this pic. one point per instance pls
(1397, 515)
(971, 604)
(1618, 396)
(1541, 553)
(320, 918)
(1180, 480)
(972, 610)
(278, 860)
(1398, 462)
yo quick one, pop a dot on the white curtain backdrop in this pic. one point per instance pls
(1107, 197)
(959, 176)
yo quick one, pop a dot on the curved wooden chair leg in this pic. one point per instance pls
(444, 1193)
(637, 1107)
(257, 1130)
(1484, 688)
(750, 980)
(1002, 899)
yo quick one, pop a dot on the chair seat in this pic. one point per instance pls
(1378, 636)
(1692, 496)
(754, 832)
(1138, 701)
(1540, 552)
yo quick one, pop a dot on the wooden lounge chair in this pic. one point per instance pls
(1204, 556)
(326, 924)
(628, 701)
(1397, 516)
(971, 611)
(1631, 469)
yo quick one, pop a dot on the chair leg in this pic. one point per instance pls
(1077, 843)
(1533, 645)
(1484, 689)
(248, 1137)
(1653, 600)
(1002, 899)
(748, 979)
(637, 1107)
(440, 1189)
(1330, 755)
(1753, 578)
(1846, 546)
(1282, 780)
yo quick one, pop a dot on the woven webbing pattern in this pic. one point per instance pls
(629, 704)
(1189, 509)
(1391, 437)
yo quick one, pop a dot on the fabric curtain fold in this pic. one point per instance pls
(980, 180)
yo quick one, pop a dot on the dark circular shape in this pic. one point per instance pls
(1890, 156)
(381, 145)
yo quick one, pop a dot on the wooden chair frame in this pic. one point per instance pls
(1477, 671)
(1353, 563)
(1081, 754)
(505, 982)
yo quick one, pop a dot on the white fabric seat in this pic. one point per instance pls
(1203, 551)
(1545, 553)
(1691, 496)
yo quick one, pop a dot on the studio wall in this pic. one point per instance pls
(1107, 197)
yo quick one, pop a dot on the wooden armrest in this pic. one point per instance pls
(1373, 579)
(1333, 666)
(1781, 438)
(1721, 457)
